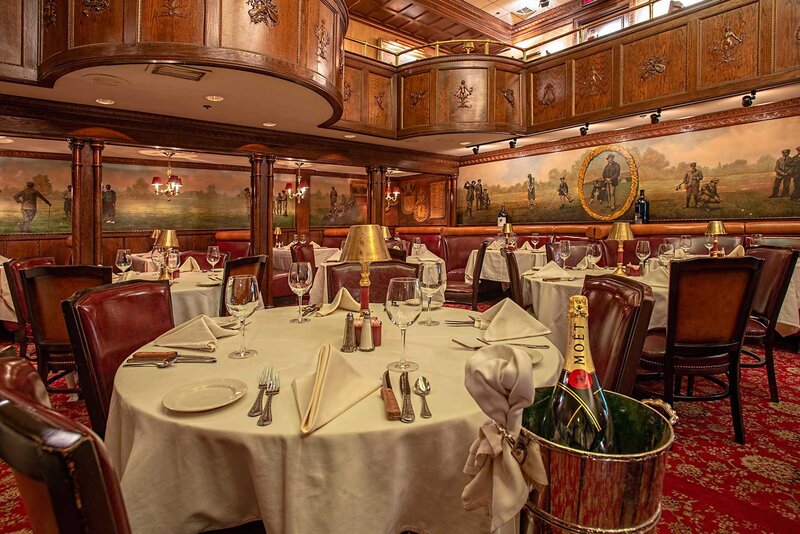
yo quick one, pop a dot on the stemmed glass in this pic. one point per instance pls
(300, 279)
(416, 244)
(157, 256)
(404, 306)
(709, 243)
(534, 240)
(173, 260)
(686, 243)
(665, 253)
(431, 279)
(241, 300)
(512, 240)
(303, 239)
(564, 250)
(756, 239)
(213, 256)
(642, 252)
(123, 260)
(593, 254)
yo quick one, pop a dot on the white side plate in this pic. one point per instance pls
(204, 395)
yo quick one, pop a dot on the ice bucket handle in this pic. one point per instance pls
(665, 409)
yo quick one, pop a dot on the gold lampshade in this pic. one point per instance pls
(620, 231)
(365, 243)
(155, 234)
(277, 231)
(715, 228)
(168, 239)
(386, 233)
(507, 229)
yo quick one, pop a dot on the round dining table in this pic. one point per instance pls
(189, 472)
(193, 294)
(494, 264)
(282, 257)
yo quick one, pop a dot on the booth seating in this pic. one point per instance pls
(235, 242)
(430, 236)
(333, 237)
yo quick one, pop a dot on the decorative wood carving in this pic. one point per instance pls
(726, 49)
(416, 98)
(593, 82)
(263, 11)
(653, 66)
(172, 8)
(593, 75)
(379, 99)
(549, 89)
(49, 16)
(462, 94)
(95, 6)
(323, 39)
(508, 94)
(348, 91)
(548, 95)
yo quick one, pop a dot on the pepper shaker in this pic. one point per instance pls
(366, 344)
(349, 344)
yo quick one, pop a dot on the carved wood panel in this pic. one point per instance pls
(97, 21)
(380, 102)
(655, 66)
(462, 95)
(11, 36)
(549, 94)
(592, 82)
(729, 46)
(269, 27)
(320, 29)
(173, 21)
(53, 34)
(508, 98)
(416, 103)
(352, 94)
(786, 19)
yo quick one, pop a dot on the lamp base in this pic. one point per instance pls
(620, 270)
(163, 273)
(364, 283)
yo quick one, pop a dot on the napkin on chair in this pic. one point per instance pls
(658, 277)
(737, 252)
(342, 301)
(331, 390)
(527, 246)
(506, 320)
(500, 379)
(552, 269)
(190, 266)
(200, 333)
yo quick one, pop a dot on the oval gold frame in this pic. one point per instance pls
(634, 181)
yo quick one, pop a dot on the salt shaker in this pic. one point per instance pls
(366, 344)
(349, 344)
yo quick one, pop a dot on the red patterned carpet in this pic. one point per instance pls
(713, 485)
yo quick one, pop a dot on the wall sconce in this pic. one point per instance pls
(171, 187)
(391, 194)
(299, 189)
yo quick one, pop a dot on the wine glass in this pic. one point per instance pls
(431, 279)
(564, 250)
(665, 253)
(173, 262)
(416, 245)
(404, 306)
(123, 260)
(642, 252)
(534, 240)
(303, 239)
(213, 256)
(512, 240)
(300, 280)
(756, 239)
(709, 243)
(593, 254)
(157, 256)
(686, 243)
(241, 300)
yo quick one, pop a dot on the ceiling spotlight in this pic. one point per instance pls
(512, 143)
(544, 3)
(585, 129)
(655, 117)
(269, 124)
(105, 101)
(747, 100)
(215, 98)
(476, 149)
(349, 136)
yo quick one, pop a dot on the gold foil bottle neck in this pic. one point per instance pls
(578, 306)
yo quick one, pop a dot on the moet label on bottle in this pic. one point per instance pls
(578, 359)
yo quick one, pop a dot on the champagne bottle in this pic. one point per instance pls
(642, 209)
(502, 216)
(578, 408)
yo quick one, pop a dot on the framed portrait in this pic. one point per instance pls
(607, 182)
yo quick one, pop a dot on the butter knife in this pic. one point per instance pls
(408, 409)
(389, 400)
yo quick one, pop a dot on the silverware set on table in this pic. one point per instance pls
(486, 343)
(167, 361)
(269, 384)
(311, 309)
(454, 322)
(421, 387)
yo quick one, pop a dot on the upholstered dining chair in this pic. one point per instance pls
(514, 277)
(708, 308)
(619, 315)
(45, 287)
(399, 254)
(779, 264)
(106, 325)
(255, 265)
(348, 275)
(22, 330)
(200, 257)
(461, 290)
(304, 252)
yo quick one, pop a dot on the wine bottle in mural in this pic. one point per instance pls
(641, 209)
(502, 216)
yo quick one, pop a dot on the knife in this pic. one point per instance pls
(405, 389)
(389, 400)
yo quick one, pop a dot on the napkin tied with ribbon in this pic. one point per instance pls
(190, 266)
(342, 301)
(200, 333)
(331, 390)
(500, 379)
(506, 320)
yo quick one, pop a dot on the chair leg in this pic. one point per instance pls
(690, 386)
(669, 384)
(770, 364)
(736, 403)
(678, 383)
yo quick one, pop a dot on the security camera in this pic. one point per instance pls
(512, 143)
(476, 149)
(585, 129)
(655, 117)
(747, 100)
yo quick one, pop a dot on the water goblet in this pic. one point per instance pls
(564, 251)
(665, 253)
(300, 279)
(173, 262)
(416, 245)
(534, 239)
(709, 243)
(593, 254)
(157, 256)
(213, 256)
(512, 240)
(757, 240)
(123, 260)
(404, 306)
(241, 300)
(686, 243)
(303, 239)
(431, 279)
(642, 252)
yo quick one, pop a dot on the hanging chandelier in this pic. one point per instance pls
(299, 189)
(392, 194)
(171, 187)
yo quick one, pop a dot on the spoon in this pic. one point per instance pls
(422, 388)
(160, 365)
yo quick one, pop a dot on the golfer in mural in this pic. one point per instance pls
(784, 170)
(470, 188)
(248, 198)
(611, 178)
(67, 196)
(563, 191)
(796, 176)
(109, 205)
(531, 191)
(709, 195)
(479, 195)
(691, 181)
(27, 198)
(333, 196)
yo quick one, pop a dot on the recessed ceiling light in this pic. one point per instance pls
(215, 98)
(269, 124)
(465, 143)
(350, 136)
(105, 101)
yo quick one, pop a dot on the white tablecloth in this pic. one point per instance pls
(494, 264)
(282, 257)
(142, 263)
(188, 298)
(358, 474)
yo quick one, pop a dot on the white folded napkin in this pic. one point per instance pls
(551, 270)
(658, 277)
(190, 266)
(494, 245)
(200, 333)
(334, 257)
(331, 390)
(500, 379)
(680, 254)
(315, 244)
(428, 256)
(737, 252)
(527, 246)
(584, 264)
(506, 320)
(420, 250)
(342, 301)
(124, 277)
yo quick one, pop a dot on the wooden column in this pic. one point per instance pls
(261, 239)
(452, 199)
(87, 223)
(376, 183)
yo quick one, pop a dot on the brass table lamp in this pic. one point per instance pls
(168, 239)
(507, 229)
(620, 232)
(387, 235)
(277, 233)
(365, 244)
(715, 228)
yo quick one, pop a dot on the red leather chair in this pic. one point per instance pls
(45, 287)
(21, 377)
(22, 330)
(106, 325)
(304, 252)
(398, 254)
(619, 315)
(460, 290)
(577, 253)
(709, 305)
(348, 275)
(62, 468)
(515, 279)
(200, 258)
(234, 242)
(456, 250)
(779, 264)
(256, 265)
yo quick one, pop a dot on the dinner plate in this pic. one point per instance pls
(209, 283)
(204, 395)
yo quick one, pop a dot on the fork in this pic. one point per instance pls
(273, 388)
(257, 407)
(469, 347)
(526, 345)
